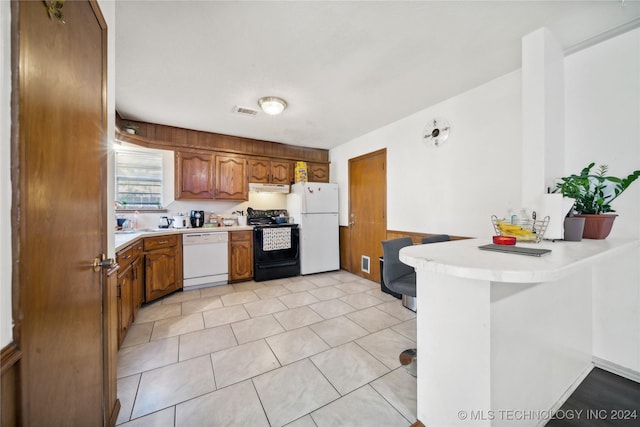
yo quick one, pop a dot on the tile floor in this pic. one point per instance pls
(319, 350)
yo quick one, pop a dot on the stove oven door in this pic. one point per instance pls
(276, 252)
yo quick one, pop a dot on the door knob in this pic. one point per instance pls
(103, 262)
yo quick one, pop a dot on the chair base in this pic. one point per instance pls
(410, 302)
(409, 359)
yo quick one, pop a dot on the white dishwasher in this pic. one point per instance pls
(205, 259)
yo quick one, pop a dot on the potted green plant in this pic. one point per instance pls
(593, 194)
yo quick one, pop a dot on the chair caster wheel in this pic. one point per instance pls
(409, 359)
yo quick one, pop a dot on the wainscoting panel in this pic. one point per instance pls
(10, 362)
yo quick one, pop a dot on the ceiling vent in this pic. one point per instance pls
(245, 111)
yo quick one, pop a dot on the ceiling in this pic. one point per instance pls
(345, 68)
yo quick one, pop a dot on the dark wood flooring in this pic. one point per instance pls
(602, 399)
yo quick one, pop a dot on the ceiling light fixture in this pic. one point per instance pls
(272, 105)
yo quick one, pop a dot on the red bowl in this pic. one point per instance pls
(504, 240)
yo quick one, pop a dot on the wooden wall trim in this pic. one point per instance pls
(418, 423)
(9, 357)
(417, 237)
(173, 138)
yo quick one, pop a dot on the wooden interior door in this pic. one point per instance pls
(367, 212)
(59, 158)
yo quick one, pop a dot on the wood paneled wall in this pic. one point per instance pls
(173, 138)
(345, 248)
(345, 243)
(416, 237)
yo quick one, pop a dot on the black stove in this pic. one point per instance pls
(276, 250)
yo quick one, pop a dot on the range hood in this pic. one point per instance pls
(268, 188)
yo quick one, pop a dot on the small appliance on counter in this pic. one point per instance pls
(180, 221)
(197, 219)
(165, 222)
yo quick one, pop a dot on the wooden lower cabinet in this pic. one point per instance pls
(162, 266)
(137, 291)
(129, 287)
(240, 256)
(111, 344)
(125, 302)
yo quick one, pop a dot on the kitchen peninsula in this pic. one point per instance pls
(503, 339)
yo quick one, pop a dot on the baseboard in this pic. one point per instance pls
(614, 368)
(563, 398)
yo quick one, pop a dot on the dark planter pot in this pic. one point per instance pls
(573, 229)
(597, 226)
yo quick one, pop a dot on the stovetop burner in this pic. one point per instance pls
(274, 225)
(266, 218)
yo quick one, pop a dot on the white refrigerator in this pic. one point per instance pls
(314, 207)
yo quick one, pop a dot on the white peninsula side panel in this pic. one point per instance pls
(503, 339)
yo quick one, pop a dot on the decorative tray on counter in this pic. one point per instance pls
(528, 230)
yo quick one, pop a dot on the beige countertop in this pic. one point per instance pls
(123, 239)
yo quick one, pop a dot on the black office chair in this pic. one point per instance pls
(436, 238)
(401, 278)
(398, 276)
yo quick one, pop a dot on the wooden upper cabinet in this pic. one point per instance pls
(259, 170)
(318, 172)
(231, 178)
(270, 171)
(194, 176)
(281, 172)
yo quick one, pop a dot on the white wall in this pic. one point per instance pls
(602, 92)
(456, 187)
(5, 174)
(454, 190)
(602, 95)
(225, 209)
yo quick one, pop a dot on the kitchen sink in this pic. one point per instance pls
(125, 231)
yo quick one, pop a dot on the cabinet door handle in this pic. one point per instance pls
(119, 291)
(164, 242)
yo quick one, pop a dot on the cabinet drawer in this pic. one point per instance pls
(151, 243)
(240, 236)
(127, 255)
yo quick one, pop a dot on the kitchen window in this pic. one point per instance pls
(138, 179)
